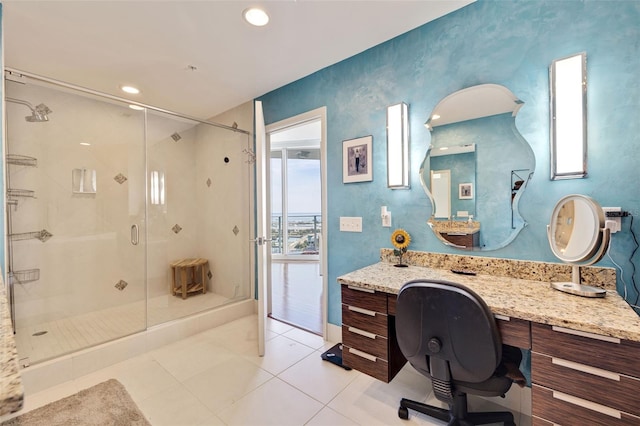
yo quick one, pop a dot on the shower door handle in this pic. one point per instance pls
(134, 235)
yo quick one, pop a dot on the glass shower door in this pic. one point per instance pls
(198, 216)
(75, 170)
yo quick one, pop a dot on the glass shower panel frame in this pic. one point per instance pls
(75, 214)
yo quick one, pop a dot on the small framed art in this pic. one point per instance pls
(357, 164)
(465, 191)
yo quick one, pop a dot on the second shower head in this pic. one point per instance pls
(39, 114)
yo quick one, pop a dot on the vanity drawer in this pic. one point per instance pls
(365, 299)
(587, 348)
(566, 410)
(514, 331)
(364, 319)
(365, 341)
(537, 421)
(365, 363)
(600, 386)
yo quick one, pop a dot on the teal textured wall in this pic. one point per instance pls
(505, 42)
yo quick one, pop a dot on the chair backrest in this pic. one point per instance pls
(445, 328)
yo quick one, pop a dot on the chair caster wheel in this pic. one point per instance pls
(403, 413)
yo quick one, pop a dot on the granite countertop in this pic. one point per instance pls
(526, 299)
(11, 390)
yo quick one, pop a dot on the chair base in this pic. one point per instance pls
(463, 419)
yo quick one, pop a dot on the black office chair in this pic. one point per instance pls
(447, 332)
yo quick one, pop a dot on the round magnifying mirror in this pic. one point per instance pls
(577, 236)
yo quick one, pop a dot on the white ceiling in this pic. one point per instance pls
(152, 44)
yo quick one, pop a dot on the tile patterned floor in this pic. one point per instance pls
(217, 378)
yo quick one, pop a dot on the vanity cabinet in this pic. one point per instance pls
(583, 378)
(369, 333)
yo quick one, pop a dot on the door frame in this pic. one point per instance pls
(316, 114)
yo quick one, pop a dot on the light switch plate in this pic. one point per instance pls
(350, 224)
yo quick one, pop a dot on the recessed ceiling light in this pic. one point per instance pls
(136, 107)
(130, 89)
(255, 16)
(435, 117)
(85, 144)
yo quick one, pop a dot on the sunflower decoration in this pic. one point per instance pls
(400, 240)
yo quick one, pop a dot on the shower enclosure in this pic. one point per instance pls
(101, 199)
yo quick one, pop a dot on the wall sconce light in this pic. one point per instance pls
(568, 81)
(398, 146)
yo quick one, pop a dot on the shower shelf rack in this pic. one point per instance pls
(26, 276)
(22, 193)
(43, 236)
(22, 160)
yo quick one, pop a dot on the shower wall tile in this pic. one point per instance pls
(92, 230)
(224, 205)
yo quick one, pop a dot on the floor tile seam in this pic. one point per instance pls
(182, 387)
(235, 400)
(301, 343)
(166, 370)
(301, 390)
(339, 393)
(354, 420)
(322, 404)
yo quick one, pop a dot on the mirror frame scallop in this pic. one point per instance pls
(483, 104)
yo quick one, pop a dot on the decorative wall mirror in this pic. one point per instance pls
(577, 235)
(476, 169)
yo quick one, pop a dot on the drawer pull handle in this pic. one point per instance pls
(362, 311)
(362, 354)
(585, 334)
(502, 317)
(354, 330)
(587, 404)
(586, 369)
(365, 290)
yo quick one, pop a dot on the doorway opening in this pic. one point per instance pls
(296, 292)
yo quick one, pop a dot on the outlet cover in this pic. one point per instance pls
(617, 220)
(350, 224)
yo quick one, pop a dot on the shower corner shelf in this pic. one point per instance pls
(26, 276)
(43, 236)
(23, 193)
(22, 160)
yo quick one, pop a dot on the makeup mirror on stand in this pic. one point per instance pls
(578, 236)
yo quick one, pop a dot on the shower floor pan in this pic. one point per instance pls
(40, 342)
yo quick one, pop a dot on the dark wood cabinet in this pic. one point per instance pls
(468, 241)
(583, 379)
(369, 333)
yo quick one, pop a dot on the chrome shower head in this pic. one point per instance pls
(39, 114)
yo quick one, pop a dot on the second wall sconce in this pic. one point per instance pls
(398, 146)
(568, 81)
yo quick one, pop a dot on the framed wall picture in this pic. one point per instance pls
(357, 163)
(465, 191)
